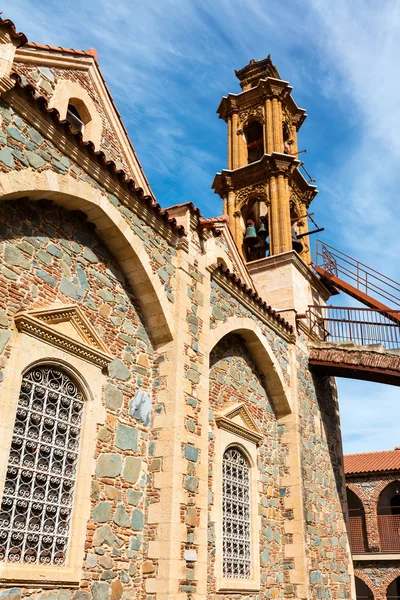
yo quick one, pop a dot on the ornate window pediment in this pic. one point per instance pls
(67, 328)
(238, 420)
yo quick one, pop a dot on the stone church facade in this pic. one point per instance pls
(161, 433)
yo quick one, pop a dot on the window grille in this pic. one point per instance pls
(38, 494)
(236, 515)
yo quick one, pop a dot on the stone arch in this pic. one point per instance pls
(355, 491)
(111, 226)
(262, 355)
(64, 92)
(382, 485)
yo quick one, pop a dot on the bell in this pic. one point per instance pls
(262, 232)
(250, 238)
(296, 245)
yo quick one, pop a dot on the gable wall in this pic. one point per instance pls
(46, 78)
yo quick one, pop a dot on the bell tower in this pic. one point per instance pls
(264, 193)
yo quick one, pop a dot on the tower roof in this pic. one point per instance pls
(251, 74)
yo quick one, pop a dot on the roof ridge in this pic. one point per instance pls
(374, 452)
(90, 52)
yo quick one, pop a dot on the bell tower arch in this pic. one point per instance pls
(263, 121)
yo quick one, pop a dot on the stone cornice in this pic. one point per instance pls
(33, 56)
(81, 157)
(257, 172)
(268, 317)
(266, 88)
(35, 327)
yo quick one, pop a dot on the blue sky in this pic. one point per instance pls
(169, 62)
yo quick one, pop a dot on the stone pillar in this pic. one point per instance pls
(180, 515)
(268, 129)
(235, 142)
(230, 144)
(273, 217)
(277, 125)
(230, 210)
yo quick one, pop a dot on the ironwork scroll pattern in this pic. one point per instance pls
(38, 494)
(236, 515)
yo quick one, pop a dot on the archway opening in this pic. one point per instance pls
(362, 590)
(389, 517)
(393, 591)
(78, 115)
(357, 529)
(254, 134)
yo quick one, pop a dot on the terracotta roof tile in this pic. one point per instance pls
(99, 155)
(372, 462)
(91, 52)
(21, 37)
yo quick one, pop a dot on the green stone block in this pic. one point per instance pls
(14, 257)
(44, 275)
(35, 160)
(191, 483)
(119, 370)
(100, 591)
(113, 397)
(121, 517)
(132, 468)
(137, 520)
(191, 453)
(133, 497)
(102, 512)
(108, 465)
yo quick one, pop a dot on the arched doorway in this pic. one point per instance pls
(357, 529)
(389, 518)
(393, 591)
(362, 590)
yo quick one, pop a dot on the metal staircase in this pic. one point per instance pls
(342, 272)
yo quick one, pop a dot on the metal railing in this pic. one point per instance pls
(363, 326)
(389, 532)
(357, 533)
(363, 278)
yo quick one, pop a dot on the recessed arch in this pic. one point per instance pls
(111, 226)
(393, 589)
(70, 92)
(262, 355)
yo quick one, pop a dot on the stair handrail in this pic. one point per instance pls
(339, 263)
(363, 326)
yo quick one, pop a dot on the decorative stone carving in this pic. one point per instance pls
(238, 420)
(67, 328)
(251, 191)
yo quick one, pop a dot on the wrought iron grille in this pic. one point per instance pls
(358, 537)
(38, 494)
(236, 515)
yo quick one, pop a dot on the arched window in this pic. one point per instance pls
(362, 590)
(358, 535)
(393, 591)
(389, 517)
(78, 115)
(74, 118)
(39, 488)
(236, 517)
(254, 134)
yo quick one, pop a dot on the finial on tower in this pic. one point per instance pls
(251, 74)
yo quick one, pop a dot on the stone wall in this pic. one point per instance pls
(323, 485)
(235, 378)
(22, 146)
(225, 305)
(50, 255)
